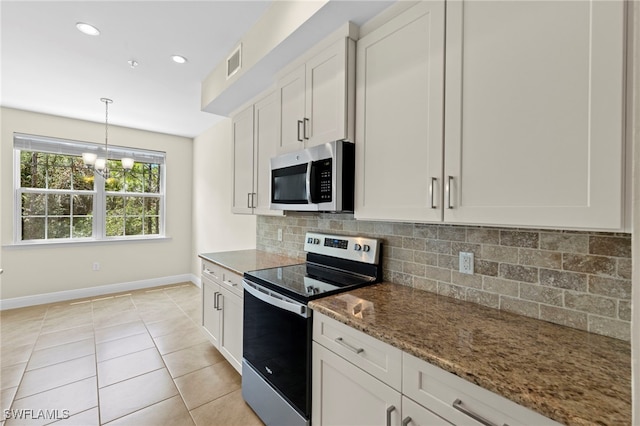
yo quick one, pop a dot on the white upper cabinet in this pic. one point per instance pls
(316, 100)
(528, 130)
(399, 115)
(255, 141)
(291, 89)
(265, 146)
(534, 113)
(242, 140)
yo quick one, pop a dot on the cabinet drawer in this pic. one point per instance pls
(458, 400)
(377, 358)
(212, 271)
(233, 283)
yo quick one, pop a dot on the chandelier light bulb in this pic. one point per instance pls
(127, 163)
(89, 158)
(100, 164)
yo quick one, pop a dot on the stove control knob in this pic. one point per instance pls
(366, 248)
(316, 241)
(310, 240)
(357, 247)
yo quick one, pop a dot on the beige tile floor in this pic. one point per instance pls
(139, 358)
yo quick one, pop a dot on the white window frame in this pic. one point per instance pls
(24, 142)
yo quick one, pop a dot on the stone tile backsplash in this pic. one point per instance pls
(574, 278)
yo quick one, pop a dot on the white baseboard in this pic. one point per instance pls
(59, 296)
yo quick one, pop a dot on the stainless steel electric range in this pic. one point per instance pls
(276, 364)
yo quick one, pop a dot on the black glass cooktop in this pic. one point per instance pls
(307, 281)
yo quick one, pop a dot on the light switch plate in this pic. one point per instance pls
(466, 263)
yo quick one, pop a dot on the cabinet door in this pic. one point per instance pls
(416, 415)
(242, 139)
(265, 146)
(534, 113)
(342, 394)
(210, 312)
(399, 117)
(291, 94)
(327, 94)
(231, 328)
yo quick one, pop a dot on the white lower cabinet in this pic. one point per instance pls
(344, 395)
(359, 380)
(222, 306)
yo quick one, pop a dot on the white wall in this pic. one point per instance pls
(31, 271)
(215, 228)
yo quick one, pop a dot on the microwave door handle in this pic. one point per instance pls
(308, 181)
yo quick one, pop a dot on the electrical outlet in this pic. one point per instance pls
(280, 234)
(95, 266)
(466, 263)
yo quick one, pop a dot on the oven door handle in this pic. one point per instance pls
(274, 299)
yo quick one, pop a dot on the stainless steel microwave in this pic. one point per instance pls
(320, 178)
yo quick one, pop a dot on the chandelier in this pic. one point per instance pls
(99, 164)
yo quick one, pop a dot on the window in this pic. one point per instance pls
(59, 199)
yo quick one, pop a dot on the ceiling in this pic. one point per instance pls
(48, 66)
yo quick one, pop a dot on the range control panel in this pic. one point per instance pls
(361, 249)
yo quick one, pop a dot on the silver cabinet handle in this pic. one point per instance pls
(210, 272)
(230, 284)
(406, 421)
(457, 404)
(432, 189)
(340, 341)
(300, 137)
(248, 200)
(449, 206)
(305, 133)
(215, 300)
(218, 304)
(253, 200)
(390, 410)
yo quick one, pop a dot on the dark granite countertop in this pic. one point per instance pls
(241, 261)
(568, 375)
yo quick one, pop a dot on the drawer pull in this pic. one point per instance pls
(230, 284)
(340, 341)
(457, 404)
(210, 272)
(390, 410)
(406, 421)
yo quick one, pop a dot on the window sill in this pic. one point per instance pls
(68, 243)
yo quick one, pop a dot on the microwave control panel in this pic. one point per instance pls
(322, 180)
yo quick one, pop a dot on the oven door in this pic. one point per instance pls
(277, 350)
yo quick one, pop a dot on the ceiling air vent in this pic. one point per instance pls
(234, 61)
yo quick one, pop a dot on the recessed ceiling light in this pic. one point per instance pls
(87, 29)
(132, 63)
(179, 59)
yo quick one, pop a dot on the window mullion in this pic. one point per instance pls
(99, 212)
